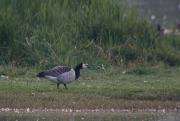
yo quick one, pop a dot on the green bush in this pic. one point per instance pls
(47, 33)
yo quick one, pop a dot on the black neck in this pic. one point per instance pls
(77, 72)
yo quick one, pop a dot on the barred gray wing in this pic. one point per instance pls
(56, 71)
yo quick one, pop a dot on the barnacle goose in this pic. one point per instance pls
(62, 74)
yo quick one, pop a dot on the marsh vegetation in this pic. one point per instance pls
(132, 66)
(45, 33)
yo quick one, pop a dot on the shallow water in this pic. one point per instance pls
(90, 116)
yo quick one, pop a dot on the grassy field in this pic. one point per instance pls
(141, 67)
(119, 88)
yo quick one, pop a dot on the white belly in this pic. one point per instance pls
(52, 79)
(66, 77)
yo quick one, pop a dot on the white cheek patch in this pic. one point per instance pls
(85, 66)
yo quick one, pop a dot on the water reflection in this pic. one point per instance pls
(91, 117)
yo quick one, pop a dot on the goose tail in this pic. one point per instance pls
(41, 74)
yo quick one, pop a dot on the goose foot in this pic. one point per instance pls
(65, 86)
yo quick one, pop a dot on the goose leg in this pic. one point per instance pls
(65, 86)
(57, 85)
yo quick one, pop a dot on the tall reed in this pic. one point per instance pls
(47, 32)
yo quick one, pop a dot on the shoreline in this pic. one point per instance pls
(28, 110)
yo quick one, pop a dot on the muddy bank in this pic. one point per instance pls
(85, 104)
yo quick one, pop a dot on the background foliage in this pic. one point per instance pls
(50, 32)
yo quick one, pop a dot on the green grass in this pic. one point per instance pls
(36, 35)
(45, 33)
(110, 88)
